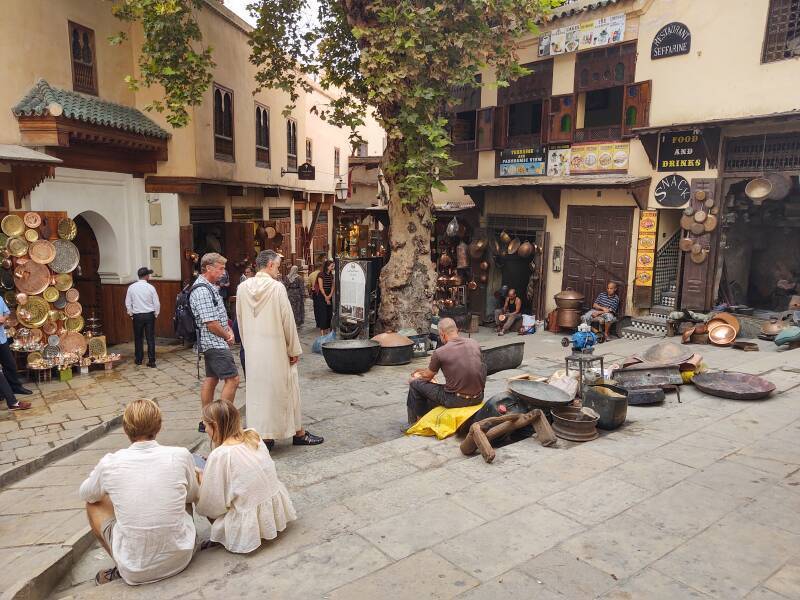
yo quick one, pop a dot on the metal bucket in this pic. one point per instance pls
(612, 405)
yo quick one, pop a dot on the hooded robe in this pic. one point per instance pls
(269, 337)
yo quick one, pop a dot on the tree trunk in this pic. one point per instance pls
(408, 280)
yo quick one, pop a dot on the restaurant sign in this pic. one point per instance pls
(523, 162)
(681, 151)
(672, 191)
(587, 159)
(673, 39)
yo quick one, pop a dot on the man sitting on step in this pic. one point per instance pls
(461, 362)
(605, 308)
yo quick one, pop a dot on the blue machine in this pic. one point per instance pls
(583, 341)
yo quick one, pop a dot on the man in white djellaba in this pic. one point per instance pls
(269, 336)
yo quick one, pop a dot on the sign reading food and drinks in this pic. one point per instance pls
(582, 36)
(599, 158)
(681, 151)
(523, 162)
(673, 39)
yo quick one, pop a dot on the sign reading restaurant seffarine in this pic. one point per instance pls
(673, 39)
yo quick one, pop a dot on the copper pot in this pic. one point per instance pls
(569, 317)
(569, 299)
(473, 285)
(514, 245)
(484, 265)
(456, 280)
(525, 249)
(477, 248)
(505, 238)
(445, 261)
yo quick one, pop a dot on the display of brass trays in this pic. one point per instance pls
(74, 323)
(31, 235)
(31, 278)
(42, 251)
(51, 352)
(35, 312)
(49, 328)
(12, 225)
(97, 346)
(32, 220)
(53, 340)
(34, 358)
(67, 230)
(67, 256)
(74, 343)
(72, 295)
(7, 279)
(63, 281)
(50, 294)
(73, 309)
(17, 246)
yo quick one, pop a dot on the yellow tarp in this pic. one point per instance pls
(442, 422)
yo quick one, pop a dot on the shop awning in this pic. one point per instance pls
(550, 187)
(28, 168)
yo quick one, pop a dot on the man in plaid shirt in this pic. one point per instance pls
(215, 337)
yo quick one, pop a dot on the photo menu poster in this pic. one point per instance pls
(581, 36)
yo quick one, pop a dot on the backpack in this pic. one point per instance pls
(183, 321)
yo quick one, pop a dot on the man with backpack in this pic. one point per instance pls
(214, 337)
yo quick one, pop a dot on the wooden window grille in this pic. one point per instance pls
(605, 67)
(309, 154)
(537, 85)
(291, 144)
(262, 136)
(84, 63)
(782, 39)
(336, 162)
(223, 123)
(760, 153)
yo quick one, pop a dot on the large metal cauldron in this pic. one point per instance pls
(351, 356)
(396, 349)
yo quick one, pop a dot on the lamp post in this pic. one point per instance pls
(341, 191)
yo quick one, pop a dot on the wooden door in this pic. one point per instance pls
(88, 282)
(697, 279)
(239, 249)
(597, 249)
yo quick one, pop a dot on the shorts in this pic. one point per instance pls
(219, 363)
(107, 531)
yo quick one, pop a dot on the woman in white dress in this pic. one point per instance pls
(240, 492)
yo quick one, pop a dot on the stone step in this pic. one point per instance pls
(634, 333)
(657, 325)
(659, 310)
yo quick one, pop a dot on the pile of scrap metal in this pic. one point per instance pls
(661, 367)
(719, 329)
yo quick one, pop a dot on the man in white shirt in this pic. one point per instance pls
(143, 307)
(138, 501)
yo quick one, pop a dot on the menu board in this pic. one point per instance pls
(646, 250)
(599, 158)
(581, 36)
(353, 290)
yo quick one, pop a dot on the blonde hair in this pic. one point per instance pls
(226, 423)
(142, 419)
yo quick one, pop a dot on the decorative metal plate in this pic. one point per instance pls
(42, 251)
(74, 324)
(17, 246)
(11, 298)
(63, 281)
(7, 279)
(67, 257)
(35, 312)
(32, 220)
(97, 346)
(61, 301)
(73, 342)
(49, 328)
(67, 230)
(72, 295)
(12, 225)
(31, 278)
(31, 235)
(53, 340)
(36, 334)
(73, 309)
(50, 294)
(34, 358)
(56, 315)
(51, 352)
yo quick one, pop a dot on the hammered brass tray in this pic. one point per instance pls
(67, 230)
(12, 225)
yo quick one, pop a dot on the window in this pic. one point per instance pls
(463, 132)
(604, 107)
(782, 39)
(291, 144)
(524, 123)
(223, 123)
(84, 65)
(262, 136)
(336, 162)
(606, 67)
(363, 150)
(308, 151)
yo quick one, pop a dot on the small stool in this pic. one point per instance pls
(583, 363)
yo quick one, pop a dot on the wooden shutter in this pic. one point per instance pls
(485, 133)
(545, 122)
(500, 127)
(697, 279)
(562, 107)
(538, 85)
(636, 106)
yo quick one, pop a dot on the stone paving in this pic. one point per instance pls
(698, 499)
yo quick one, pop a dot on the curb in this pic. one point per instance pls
(24, 469)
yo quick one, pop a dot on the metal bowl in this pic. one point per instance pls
(351, 356)
(720, 333)
(737, 386)
(537, 394)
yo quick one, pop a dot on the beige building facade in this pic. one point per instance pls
(633, 107)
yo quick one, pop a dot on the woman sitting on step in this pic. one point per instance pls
(240, 492)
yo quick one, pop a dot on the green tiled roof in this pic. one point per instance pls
(87, 109)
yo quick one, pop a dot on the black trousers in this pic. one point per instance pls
(144, 325)
(9, 366)
(424, 395)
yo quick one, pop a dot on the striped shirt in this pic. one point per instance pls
(606, 301)
(327, 282)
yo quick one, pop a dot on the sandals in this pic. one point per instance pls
(307, 439)
(107, 575)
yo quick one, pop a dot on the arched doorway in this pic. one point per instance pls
(87, 276)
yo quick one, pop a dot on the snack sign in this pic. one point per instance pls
(587, 159)
(581, 36)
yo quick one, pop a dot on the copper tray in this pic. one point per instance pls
(17, 246)
(63, 281)
(42, 251)
(67, 230)
(67, 257)
(736, 386)
(73, 342)
(32, 220)
(73, 309)
(31, 278)
(72, 295)
(12, 225)
(49, 328)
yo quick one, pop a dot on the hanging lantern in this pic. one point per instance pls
(452, 228)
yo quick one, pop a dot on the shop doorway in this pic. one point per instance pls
(597, 249)
(86, 278)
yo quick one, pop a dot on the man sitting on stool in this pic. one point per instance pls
(511, 312)
(604, 309)
(461, 362)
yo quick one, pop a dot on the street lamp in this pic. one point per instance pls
(341, 191)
